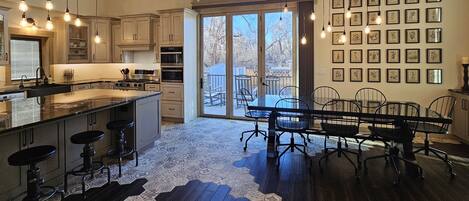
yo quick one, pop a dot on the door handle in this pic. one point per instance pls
(31, 141)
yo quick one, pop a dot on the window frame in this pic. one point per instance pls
(25, 38)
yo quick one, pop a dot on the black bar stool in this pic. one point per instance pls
(89, 167)
(31, 157)
(121, 150)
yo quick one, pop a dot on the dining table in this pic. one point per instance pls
(314, 108)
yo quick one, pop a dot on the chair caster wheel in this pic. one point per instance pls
(241, 139)
(244, 148)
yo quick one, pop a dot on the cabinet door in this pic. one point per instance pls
(147, 121)
(143, 30)
(165, 29)
(49, 134)
(73, 151)
(460, 119)
(102, 51)
(100, 120)
(178, 29)
(116, 38)
(12, 180)
(4, 39)
(128, 27)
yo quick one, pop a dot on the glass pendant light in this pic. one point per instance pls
(343, 37)
(24, 21)
(49, 24)
(367, 28)
(304, 41)
(313, 15)
(67, 17)
(23, 6)
(285, 8)
(348, 14)
(323, 32)
(77, 21)
(329, 27)
(49, 5)
(97, 38)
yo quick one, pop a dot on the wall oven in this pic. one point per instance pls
(171, 57)
(172, 74)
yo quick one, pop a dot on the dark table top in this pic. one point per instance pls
(268, 102)
(22, 113)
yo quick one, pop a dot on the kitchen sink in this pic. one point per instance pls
(46, 89)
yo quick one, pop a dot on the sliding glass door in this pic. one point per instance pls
(253, 51)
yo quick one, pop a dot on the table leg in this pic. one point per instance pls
(408, 148)
(271, 138)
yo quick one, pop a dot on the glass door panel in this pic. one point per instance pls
(245, 59)
(214, 65)
(279, 52)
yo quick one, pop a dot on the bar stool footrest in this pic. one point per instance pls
(127, 152)
(79, 171)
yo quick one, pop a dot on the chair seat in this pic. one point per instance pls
(87, 137)
(388, 134)
(428, 128)
(31, 155)
(292, 125)
(340, 130)
(257, 114)
(120, 124)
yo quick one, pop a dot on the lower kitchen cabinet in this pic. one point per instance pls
(49, 134)
(99, 121)
(13, 180)
(73, 151)
(461, 117)
(147, 121)
(172, 109)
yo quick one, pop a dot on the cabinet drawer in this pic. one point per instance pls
(152, 87)
(172, 109)
(172, 92)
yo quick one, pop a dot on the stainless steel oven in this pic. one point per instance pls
(171, 57)
(172, 74)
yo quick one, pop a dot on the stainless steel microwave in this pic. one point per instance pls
(172, 74)
(171, 56)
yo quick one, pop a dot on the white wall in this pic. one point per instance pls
(455, 45)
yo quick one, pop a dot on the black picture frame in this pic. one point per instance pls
(388, 74)
(378, 51)
(407, 33)
(392, 4)
(398, 53)
(369, 77)
(427, 15)
(369, 19)
(369, 41)
(360, 57)
(412, 2)
(398, 17)
(340, 70)
(407, 73)
(429, 81)
(341, 52)
(374, 3)
(352, 41)
(439, 37)
(334, 22)
(353, 5)
(337, 34)
(407, 11)
(334, 6)
(407, 59)
(352, 72)
(440, 55)
(398, 36)
(361, 19)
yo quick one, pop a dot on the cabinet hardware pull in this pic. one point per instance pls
(32, 137)
(6, 56)
(23, 136)
(171, 109)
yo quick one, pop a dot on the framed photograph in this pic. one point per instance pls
(412, 56)
(412, 36)
(356, 75)
(434, 76)
(372, 15)
(434, 35)
(433, 1)
(374, 37)
(412, 1)
(393, 75)
(412, 76)
(356, 56)
(373, 2)
(393, 17)
(393, 36)
(434, 55)
(338, 75)
(434, 15)
(356, 3)
(374, 56)
(392, 2)
(374, 75)
(337, 56)
(356, 37)
(338, 20)
(393, 56)
(336, 37)
(356, 19)
(337, 4)
(412, 16)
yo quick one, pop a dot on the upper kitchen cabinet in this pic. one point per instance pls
(171, 28)
(137, 32)
(116, 33)
(4, 37)
(72, 44)
(101, 52)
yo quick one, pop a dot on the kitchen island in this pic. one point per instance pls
(52, 120)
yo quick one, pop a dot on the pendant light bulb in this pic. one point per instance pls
(343, 38)
(329, 27)
(313, 16)
(323, 33)
(67, 16)
(97, 38)
(304, 41)
(379, 20)
(285, 8)
(49, 5)
(23, 6)
(77, 22)
(23, 21)
(49, 24)
(348, 14)
(367, 29)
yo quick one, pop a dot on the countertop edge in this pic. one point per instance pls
(459, 91)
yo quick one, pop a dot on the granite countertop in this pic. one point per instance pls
(22, 113)
(74, 82)
(459, 91)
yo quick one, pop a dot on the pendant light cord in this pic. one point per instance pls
(78, 13)
(323, 18)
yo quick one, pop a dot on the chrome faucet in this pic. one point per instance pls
(22, 80)
(41, 73)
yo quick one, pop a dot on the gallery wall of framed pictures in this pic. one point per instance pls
(405, 48)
